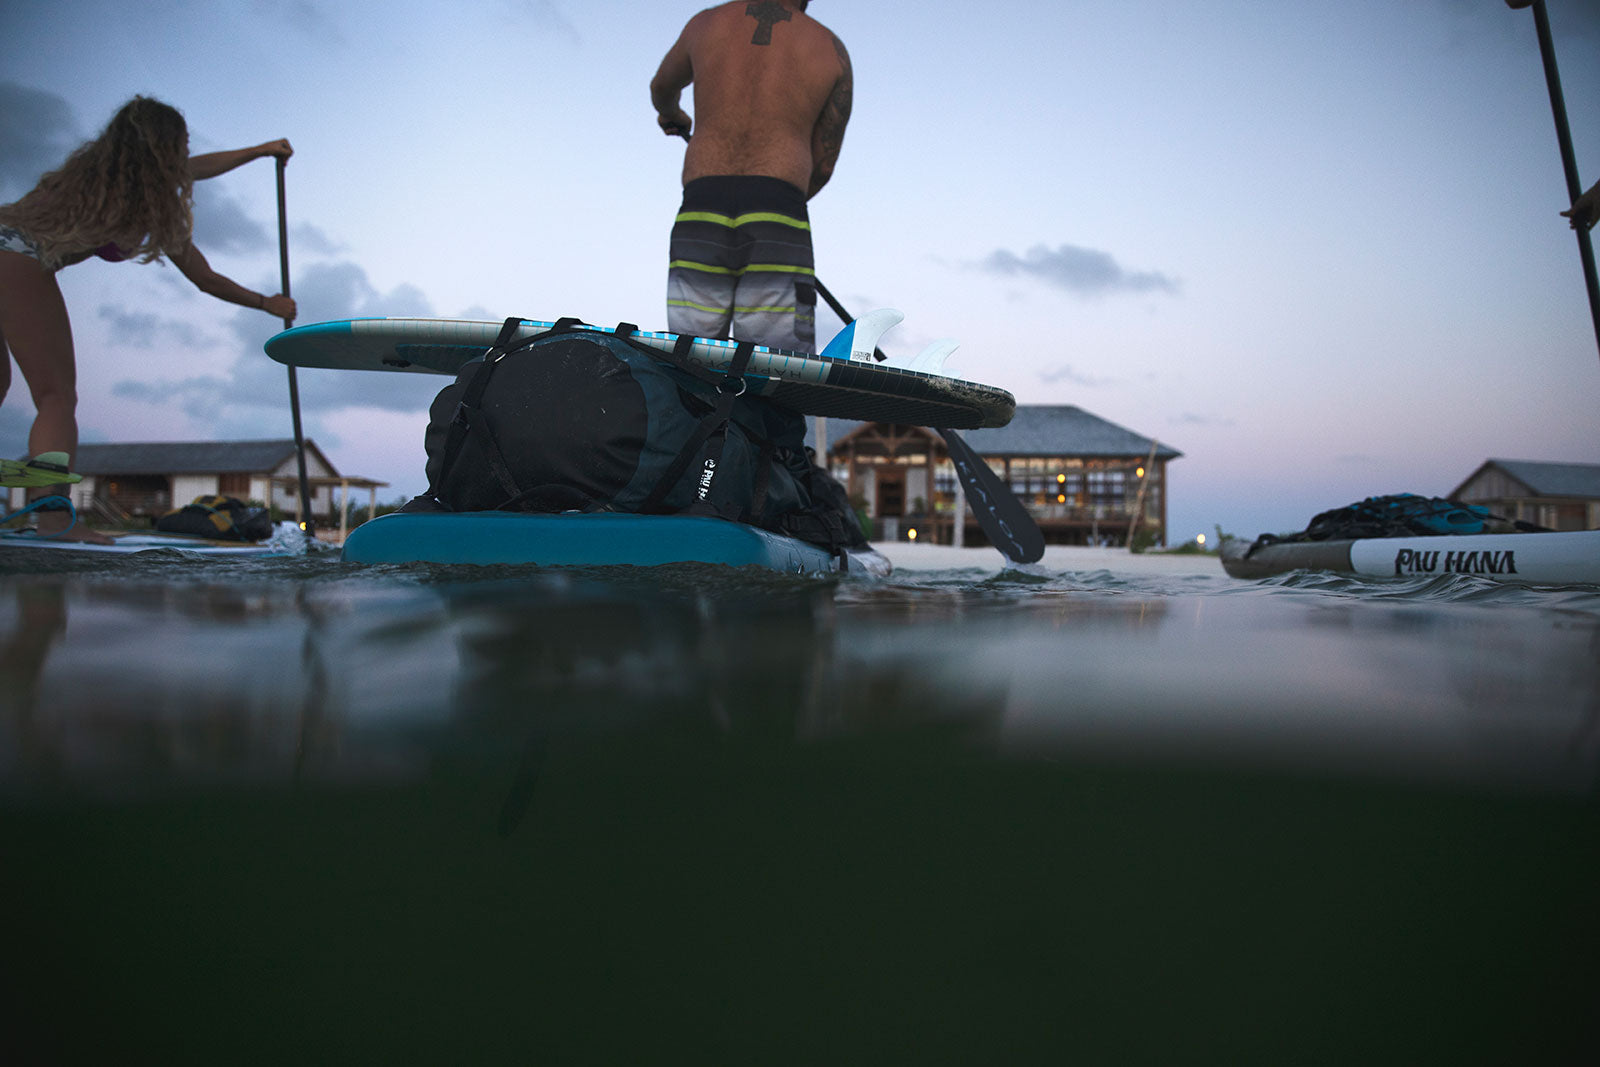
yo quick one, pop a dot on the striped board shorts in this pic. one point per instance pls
(741, 263)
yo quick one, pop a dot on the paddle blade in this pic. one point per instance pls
(1000, 514)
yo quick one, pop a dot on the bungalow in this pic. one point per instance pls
(1085, 480)
(141, 482)
(1562, 496)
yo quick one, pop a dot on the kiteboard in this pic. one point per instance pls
(592, 539)
(842, 382)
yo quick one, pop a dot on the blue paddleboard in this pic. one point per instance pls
(597, 539)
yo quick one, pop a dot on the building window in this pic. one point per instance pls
(233, 484)
(1106, 488)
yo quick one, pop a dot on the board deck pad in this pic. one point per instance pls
(811, 384)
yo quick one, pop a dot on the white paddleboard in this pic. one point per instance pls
(843, 382)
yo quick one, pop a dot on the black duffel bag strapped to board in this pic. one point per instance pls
(221, 518)
(579, 419)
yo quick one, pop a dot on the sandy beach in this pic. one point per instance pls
(1057, 558)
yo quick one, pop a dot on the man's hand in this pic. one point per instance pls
(675, 123)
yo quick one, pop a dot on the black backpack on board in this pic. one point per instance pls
(582, 420)
(222, 518)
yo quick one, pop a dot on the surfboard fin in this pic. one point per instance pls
(859, 338)
(931, 359)
(47, 468)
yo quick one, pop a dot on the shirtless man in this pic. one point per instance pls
(773, 91)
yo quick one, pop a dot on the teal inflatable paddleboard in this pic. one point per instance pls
(842, 382)
(596, 539)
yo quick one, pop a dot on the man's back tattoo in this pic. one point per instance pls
(766, 13)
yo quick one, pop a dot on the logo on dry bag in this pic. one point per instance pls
(706, 475)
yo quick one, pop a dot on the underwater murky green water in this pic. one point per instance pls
(294, 810)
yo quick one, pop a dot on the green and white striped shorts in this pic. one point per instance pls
(741, 263)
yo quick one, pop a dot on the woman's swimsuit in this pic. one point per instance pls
(14, 240)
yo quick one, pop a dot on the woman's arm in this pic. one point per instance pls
(197, 270)
(214, 163)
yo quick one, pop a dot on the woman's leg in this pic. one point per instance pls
(34, 322)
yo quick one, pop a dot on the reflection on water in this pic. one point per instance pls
(294, 667)
(724, 815)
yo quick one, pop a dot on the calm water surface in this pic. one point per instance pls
(289, 810)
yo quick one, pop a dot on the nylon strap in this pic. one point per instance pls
(729, 389)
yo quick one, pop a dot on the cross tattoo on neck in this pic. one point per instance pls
(765, 12)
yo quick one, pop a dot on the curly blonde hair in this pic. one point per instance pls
(130, 187)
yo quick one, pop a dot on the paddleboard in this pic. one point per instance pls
(124, 544)
(843, 382)
(597, 539)
(1560, 558)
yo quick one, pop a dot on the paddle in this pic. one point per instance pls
(294, 385)
(1552, 77)
(1000, 514)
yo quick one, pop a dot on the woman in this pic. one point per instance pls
(127, 194)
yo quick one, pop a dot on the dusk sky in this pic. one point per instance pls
(1314, 246)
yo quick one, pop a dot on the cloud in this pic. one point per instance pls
(1066, 373)
(142, 329)
(221, 225)
(1085, 271)
(313, 239)
(542, 14)
(311, 20)
(37, 131)
(1190, 418)
(323, 292)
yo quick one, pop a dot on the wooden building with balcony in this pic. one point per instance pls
(1561, 496)
(133, 484)
(1085, 480)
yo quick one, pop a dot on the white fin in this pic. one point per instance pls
(931, 359)
(859, 338)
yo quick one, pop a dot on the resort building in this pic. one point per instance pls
(1561, 496)
(1086, 481)
(132, 483)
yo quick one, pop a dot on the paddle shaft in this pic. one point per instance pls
(294, 384)
(1000, 514)
(1558, 107)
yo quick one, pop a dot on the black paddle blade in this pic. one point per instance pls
(1001, 515)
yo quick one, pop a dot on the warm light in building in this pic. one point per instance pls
(1139, 473)
(1061, 479)
(1200, 539)
(1061, 498)
(911, 534)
